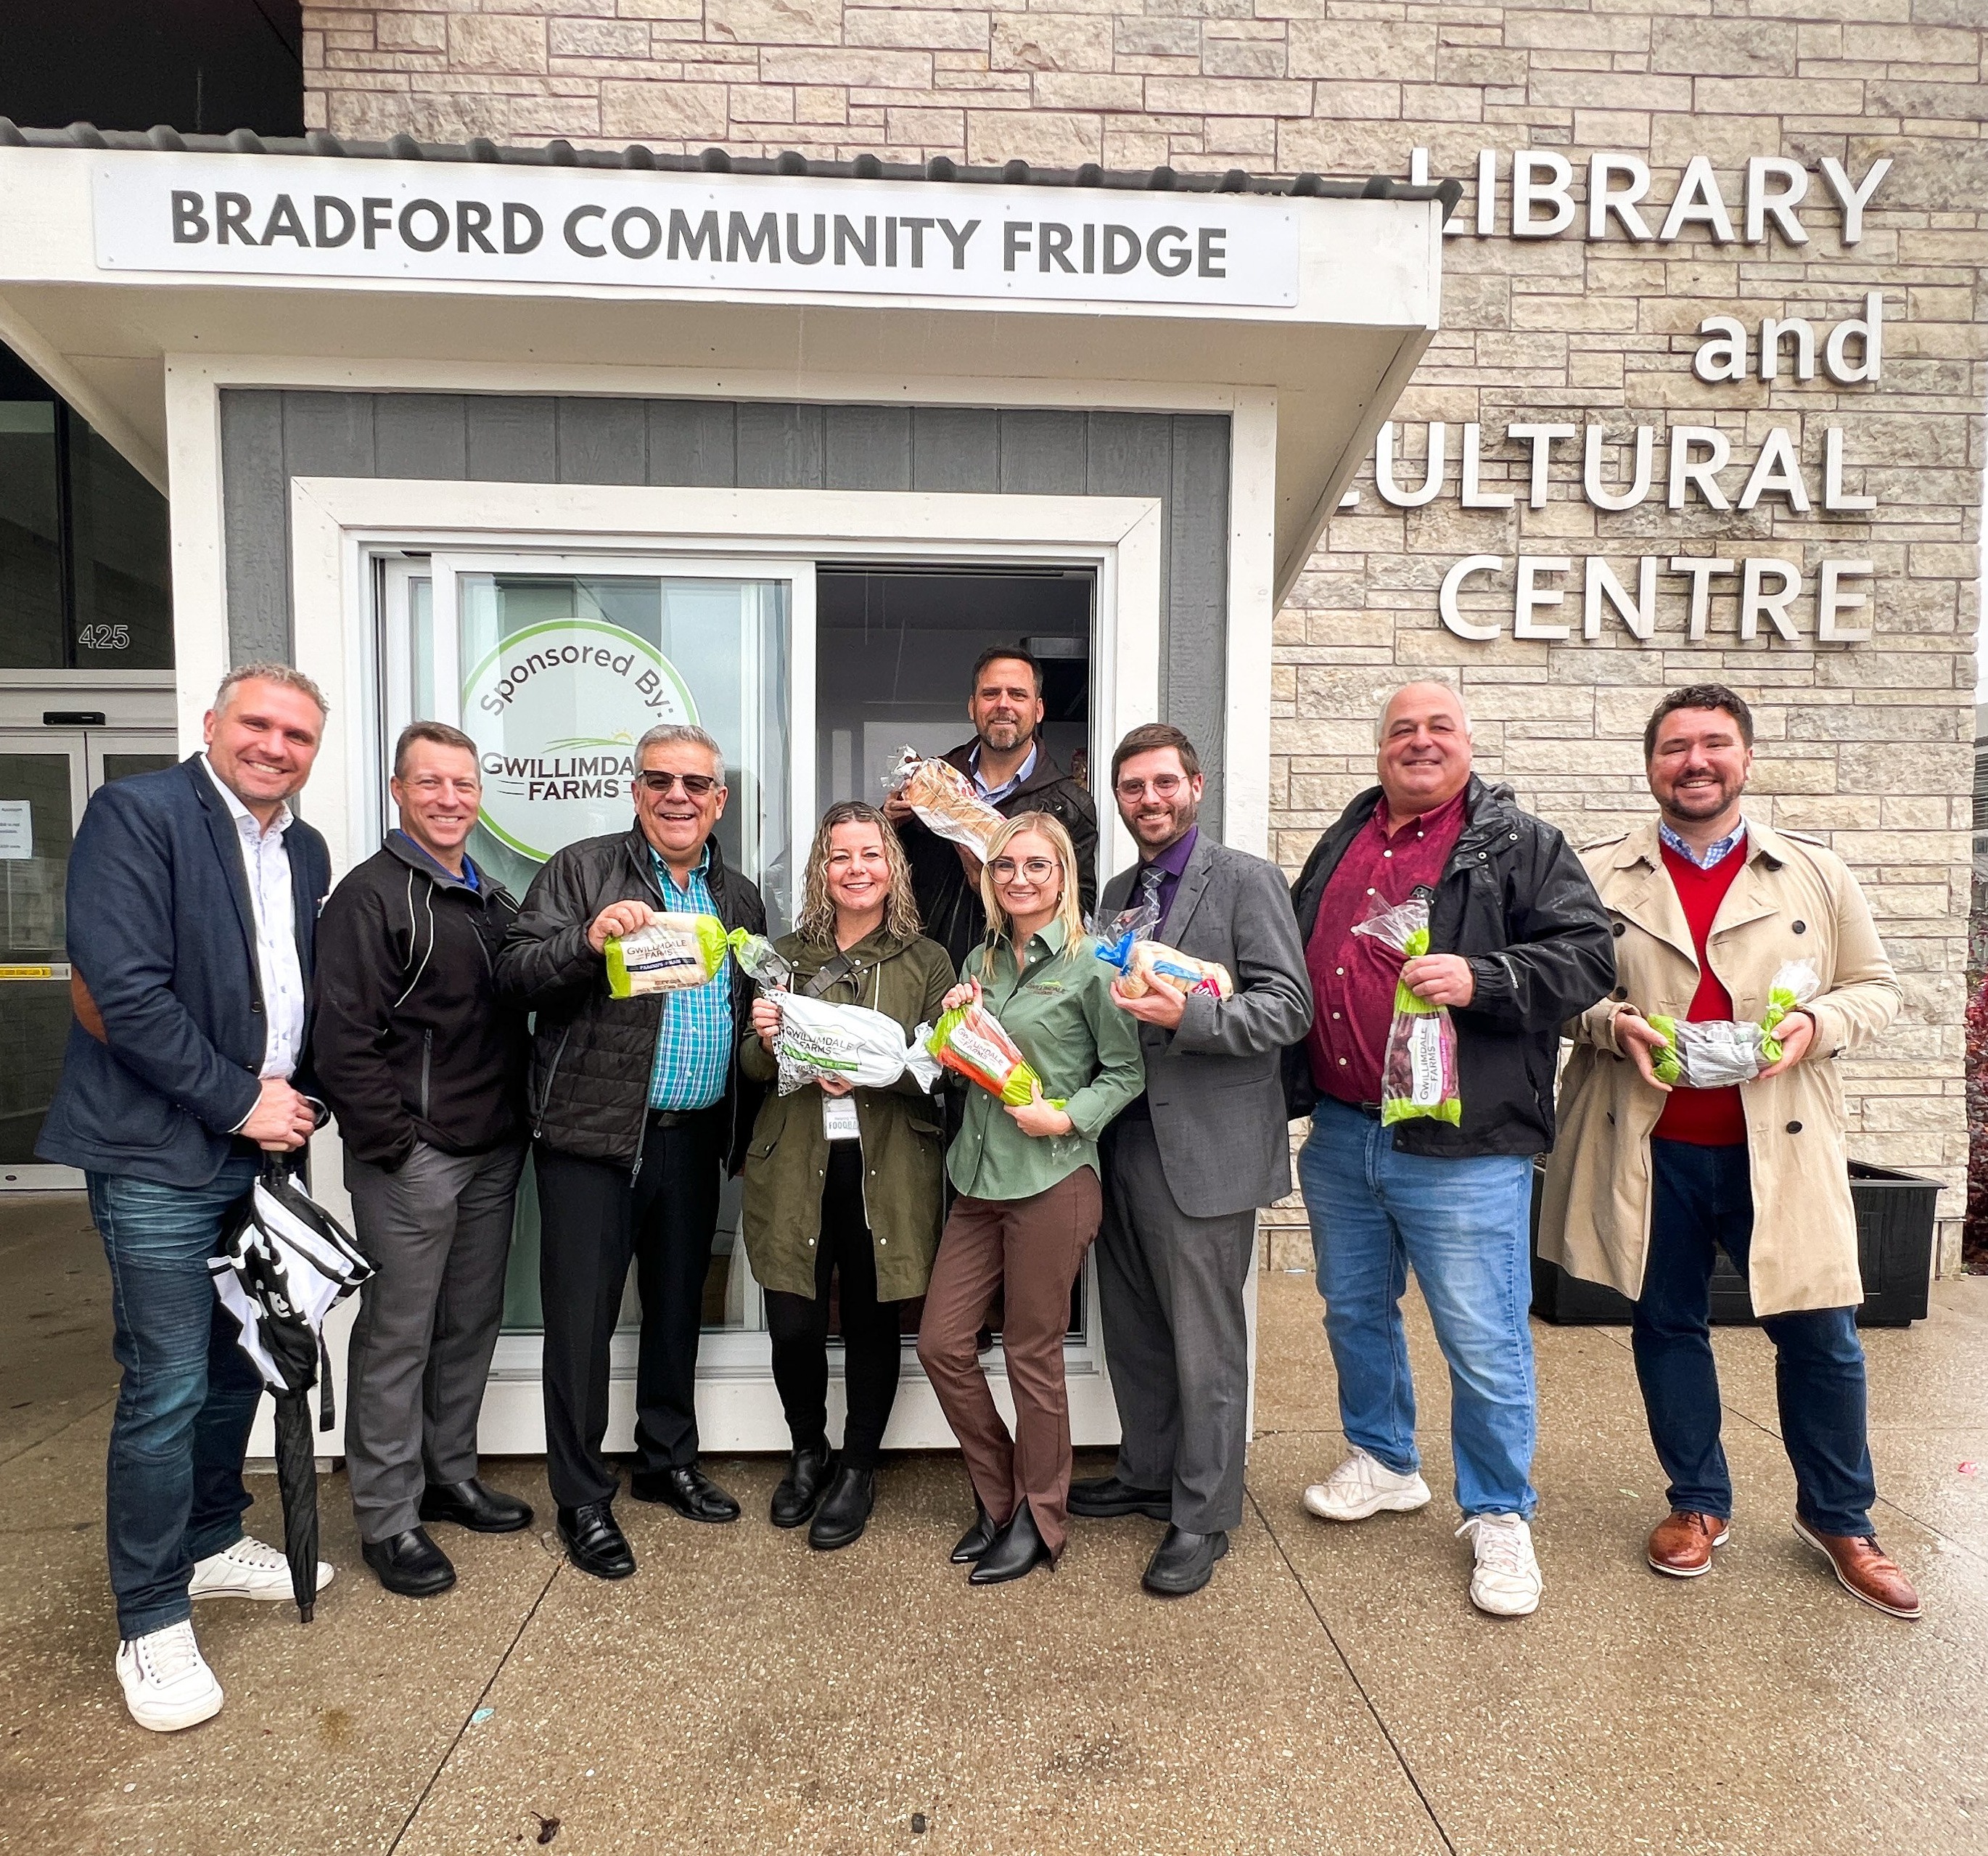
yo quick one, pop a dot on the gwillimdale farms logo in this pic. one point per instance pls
(555, 711)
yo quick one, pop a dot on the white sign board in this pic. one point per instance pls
(555, 711)
(17, 828)
(300, 216)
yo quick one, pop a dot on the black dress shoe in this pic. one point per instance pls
(978, 1538)
(800, 1488)
(1017, 1548)
(409, 1563)
(845, 1509)
(594, 1541)
(471, 1504)
(1102, 1498)
(1183, 1562)
(687, 1490)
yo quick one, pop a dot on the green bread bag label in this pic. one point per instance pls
(672, 952)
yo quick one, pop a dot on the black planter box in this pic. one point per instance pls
(1895, 1220)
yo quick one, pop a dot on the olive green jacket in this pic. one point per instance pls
(903, 1132)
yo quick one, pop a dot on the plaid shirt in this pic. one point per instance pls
(1716, 852)
(693, 1041)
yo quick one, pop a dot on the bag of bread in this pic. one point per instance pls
(943, 798)
(1127, 944)
(869, 1049)
(969, 1040)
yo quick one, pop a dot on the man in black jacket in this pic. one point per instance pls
(1007, 764)
(1518, 942)
(637, 1110)
(423, 1062)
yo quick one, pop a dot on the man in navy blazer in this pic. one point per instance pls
(192, 902)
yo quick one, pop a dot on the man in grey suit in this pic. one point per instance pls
(1187, 1165)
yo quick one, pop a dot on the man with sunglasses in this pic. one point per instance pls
(1010, 770)
(1187, 1163)
(637, 1112)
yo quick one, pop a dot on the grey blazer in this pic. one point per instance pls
(1215, 1085)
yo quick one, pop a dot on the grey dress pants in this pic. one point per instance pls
(1170, 1290)
(438, 1229)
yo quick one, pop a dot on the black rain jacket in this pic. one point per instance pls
(592, 1055)
(1516, 903)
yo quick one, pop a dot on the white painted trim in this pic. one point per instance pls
(200, 655)
(810, 387)
(47, 359)
(1252, 612)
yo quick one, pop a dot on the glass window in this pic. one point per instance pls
(123, 618)
(31, 628)
(35, 835)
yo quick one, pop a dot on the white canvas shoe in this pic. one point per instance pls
(247, 1570)
(1507, 1583)
(167, 1684)
(1364, 1484)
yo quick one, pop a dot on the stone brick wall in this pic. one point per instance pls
(1868, 744)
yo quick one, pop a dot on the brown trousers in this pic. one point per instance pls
(1031, 1249)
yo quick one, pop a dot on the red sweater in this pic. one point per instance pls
(1705, 1118)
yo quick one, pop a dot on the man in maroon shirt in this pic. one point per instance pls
(1519, 943)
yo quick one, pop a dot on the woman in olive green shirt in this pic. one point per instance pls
(1030, 1198)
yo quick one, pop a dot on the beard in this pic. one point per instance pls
(1703, 800)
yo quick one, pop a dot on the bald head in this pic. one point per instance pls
(1424, 750)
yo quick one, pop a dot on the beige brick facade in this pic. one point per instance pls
(1866, 744)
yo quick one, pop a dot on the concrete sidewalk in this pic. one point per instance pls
(1333, 1690)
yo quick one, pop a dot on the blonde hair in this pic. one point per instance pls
(1070, 911)
(817, 916)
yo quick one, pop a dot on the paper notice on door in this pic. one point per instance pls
(17, 828)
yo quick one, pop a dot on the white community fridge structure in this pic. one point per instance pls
(556, 446)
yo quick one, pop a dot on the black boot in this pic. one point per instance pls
(800, 1488)
(845, 1509)
(1017, 1548)
(977, 1539)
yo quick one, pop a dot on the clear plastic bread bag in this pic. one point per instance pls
(942, 798)
(1418, 1074)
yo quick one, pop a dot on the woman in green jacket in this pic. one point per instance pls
(844, 1182)
(1030, 1198)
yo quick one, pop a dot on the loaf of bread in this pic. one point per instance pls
(943, 798)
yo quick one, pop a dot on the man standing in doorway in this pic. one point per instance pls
(422, 1063)
(1518, 944)
(192, 904)
(1010, 768)
(1649, 1182)
(1188, 1163)
(638, 1110)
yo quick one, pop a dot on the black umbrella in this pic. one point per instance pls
(284, 1264)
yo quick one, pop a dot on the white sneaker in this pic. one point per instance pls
(1507, 1583)
(247, 1570)
(167, 1684)
(1364, 1484)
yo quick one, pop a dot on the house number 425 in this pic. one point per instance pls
(105, 637)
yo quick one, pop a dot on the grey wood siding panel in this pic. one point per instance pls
(1194, 684)
(420, 434)
(268, 436)
(780, 447)
(1042, 453)
(328, 435)
(694, 443)
(867, 448)
(256, 525)
(602, 441)
(956, 448)
(512, 439)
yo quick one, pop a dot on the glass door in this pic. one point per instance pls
(556, 665)
(46, 775)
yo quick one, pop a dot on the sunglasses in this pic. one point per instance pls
(699, 785)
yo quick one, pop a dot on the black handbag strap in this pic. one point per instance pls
(838, 968)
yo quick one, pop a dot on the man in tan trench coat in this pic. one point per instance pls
(1647, 1181)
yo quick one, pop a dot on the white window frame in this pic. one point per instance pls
(339, 526)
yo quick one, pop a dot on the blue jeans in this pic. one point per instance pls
(173, 1491)
(1703, 1199)
(1465, 1225)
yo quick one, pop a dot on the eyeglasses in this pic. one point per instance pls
(697, 785)
(1165, 786)
(1036, 869)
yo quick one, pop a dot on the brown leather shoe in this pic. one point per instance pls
(1681, 1543)
(1865, 1571)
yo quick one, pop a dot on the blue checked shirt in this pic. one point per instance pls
(1716, 852)
(694, 1041)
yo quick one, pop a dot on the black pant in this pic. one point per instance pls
(871, 1344)
(592, 1220)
